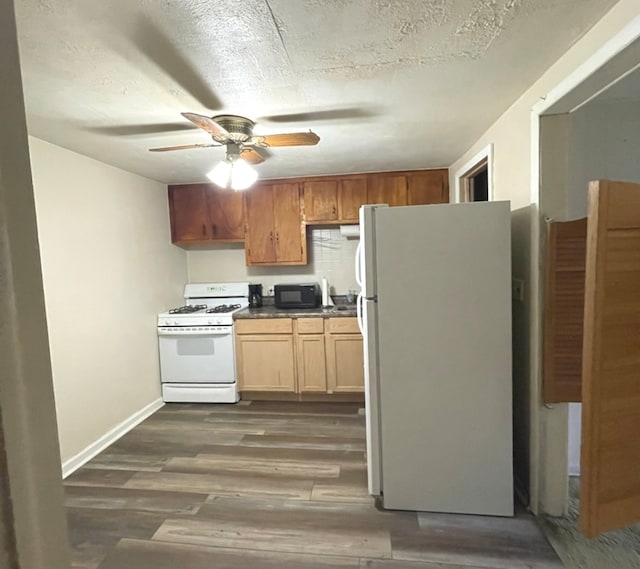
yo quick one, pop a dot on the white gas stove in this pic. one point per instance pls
(197, 357)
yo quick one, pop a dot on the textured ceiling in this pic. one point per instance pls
(386, 84)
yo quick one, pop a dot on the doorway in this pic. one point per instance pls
(474, 181)
(582, 137)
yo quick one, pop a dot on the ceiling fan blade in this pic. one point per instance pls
(251, 155)
(207, 124)
(181, 147)
(288, 139)
(328, 114)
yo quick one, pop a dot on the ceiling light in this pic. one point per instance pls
(233, 172)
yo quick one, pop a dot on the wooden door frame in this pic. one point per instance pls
(463, 176)
(549, 424)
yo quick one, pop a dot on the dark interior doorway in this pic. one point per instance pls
(479, 186)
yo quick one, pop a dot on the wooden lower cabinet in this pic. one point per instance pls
(345, 366)
(266, 362)
(305, 355)
(265, 355)
(312, 366)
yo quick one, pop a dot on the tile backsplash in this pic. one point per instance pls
(330, 255)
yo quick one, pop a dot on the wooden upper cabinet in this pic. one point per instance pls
(276, 234)
(291, 242)
(226, 214)
(352, 193)
(389, 189)
(320, 200)
(428, 187)
(189, 214)
(260, 239)
(201, 213)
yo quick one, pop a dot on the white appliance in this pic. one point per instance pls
(435, 313)
(196, 344)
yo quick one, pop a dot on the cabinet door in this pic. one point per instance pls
(226, 214)
(321, 201)
(345, 363)
(290, 233)
(189, 214)
(382, 188)
(312, 367)
(265, 362)
(260, 238)
(428, 187)
(352, 193)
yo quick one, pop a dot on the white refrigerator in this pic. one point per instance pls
(435, 313)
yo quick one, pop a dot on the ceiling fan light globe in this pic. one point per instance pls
(220, 175)
(242, 175)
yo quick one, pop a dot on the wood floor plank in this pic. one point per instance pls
(169, 503)
(345, 458)
(314, 516)
(271, 419)
(293, 538)
(99, 527)
(113, 461)
(394, 564)
(341, 493)
(312, 443)
(145, 443)
(222, 485)
(138, 554)
(211, 464)
(209, 431)
(503, 543)
(99, 477)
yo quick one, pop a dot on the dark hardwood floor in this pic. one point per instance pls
(267, 485)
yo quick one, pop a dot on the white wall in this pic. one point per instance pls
(108, 268)
(330, 255)
(511, 136)
(605, 137)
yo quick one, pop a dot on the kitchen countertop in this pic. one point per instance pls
(270, 311)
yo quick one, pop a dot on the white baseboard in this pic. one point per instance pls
(71, 465)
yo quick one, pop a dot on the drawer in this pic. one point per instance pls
(310, 325)
(264, 326)
(343, 326)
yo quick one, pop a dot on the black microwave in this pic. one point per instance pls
(305, 295)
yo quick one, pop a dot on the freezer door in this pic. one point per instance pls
(444, 333)
(367, 314)
(366, 254)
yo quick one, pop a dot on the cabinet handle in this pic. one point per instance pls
(277, 238)
(334, 210)
(271, 235)
(213, 228)
(204, 229)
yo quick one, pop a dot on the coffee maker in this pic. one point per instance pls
(255, 295)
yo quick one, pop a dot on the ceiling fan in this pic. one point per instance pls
(236, 133)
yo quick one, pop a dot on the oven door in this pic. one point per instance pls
(197, 355)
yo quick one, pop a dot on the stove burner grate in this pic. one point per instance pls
(223, 308)
(188, 309)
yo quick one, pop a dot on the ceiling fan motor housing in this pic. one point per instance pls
(240, 129)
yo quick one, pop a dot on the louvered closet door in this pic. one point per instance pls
(564, 310)
(610, 468)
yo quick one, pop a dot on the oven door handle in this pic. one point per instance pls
(178, 333)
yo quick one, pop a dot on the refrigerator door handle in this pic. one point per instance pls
(359, 315)
(358, 264)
